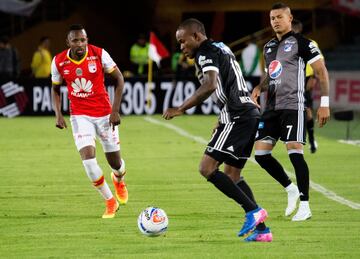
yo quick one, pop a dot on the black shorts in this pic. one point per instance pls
(288, 125)
(232, 143)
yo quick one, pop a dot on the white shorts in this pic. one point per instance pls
(86, 128)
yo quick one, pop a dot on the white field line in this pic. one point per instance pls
(350, 142)
(317, 187)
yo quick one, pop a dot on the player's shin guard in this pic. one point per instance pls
(120, 172)
(301, 171)
(230, 189)
(272, 166)
(96, 176)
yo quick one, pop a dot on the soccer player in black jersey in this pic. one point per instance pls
(284, 117)
(233, 138)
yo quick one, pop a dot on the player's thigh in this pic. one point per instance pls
(267, 134)
(84, 131)
(293, 126)
(109, 137)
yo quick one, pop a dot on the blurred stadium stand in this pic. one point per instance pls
(335, 31)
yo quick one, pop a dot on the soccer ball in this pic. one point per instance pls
(153, 221)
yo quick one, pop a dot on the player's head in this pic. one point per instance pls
(44, 41)
(77, 40)
(296, 26)
(280, 18)
(190, 34)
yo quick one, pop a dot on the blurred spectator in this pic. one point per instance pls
(139, 55)
(9, 61)
(41, 61)
(250, 62)
(183, 66)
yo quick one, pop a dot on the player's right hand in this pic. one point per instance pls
(60, 122)
(171, 113)
(255, 95)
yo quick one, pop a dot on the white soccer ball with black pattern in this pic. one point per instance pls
(153, 221)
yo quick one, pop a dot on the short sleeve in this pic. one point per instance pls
(207, 61)
(309, 50)
(107, 62)
(56, 77)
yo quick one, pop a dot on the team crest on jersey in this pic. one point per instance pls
(92, 66)
(275, 69)
(287, 47)
(79, 71)
(81, 88)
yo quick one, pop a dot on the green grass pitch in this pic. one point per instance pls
(48, 208)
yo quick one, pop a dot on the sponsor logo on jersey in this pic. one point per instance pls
(92, 58)
(271, 43)
(79, 71)
(314, 48)
(275, 69)
(64, 63)
(66, 72)
(203, 61)
(92, 66)
(81, 88)
(290, 42)
(288, 47)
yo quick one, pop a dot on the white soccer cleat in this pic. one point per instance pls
(293, 196)
(303, 212)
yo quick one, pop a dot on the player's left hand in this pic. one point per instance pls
(171, 113)
(323, 116)
(114, 119)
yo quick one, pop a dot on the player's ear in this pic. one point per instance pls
(67, 43)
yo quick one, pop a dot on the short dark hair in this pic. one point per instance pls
(44, 38)
(76, 27)
(279, 5)
(193, 23)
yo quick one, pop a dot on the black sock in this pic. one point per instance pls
(230, 189)
(310, 131)
(242, 184)
(302, 175)
(274, 168)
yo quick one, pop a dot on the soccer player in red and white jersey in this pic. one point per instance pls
(82, 67)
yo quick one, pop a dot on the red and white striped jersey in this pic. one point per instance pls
(84, 80)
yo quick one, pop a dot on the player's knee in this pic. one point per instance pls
(205, 170)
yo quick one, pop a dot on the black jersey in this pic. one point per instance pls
(285, 62)
(231, 95)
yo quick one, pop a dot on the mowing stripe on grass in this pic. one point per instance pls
(317, 187)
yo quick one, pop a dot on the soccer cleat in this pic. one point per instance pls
(313, 147)
(252, 219)
(293, 196)
(303, 212)
(112, 207)
(260, 236)
(120, 190)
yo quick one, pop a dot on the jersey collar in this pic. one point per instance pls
(77, 62)
(286, 35)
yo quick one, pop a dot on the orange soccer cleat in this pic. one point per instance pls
(112, 207)
(120, 189)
